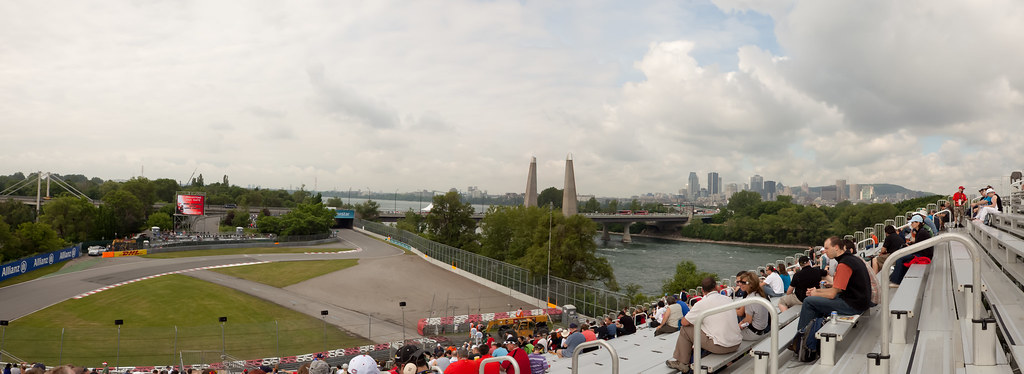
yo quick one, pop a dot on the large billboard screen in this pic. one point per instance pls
(191, 205)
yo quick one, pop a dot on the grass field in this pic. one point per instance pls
(239, 251)
(163, 316)
(34, 274)
(283, 274)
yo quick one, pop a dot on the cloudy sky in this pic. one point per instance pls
(414, 95)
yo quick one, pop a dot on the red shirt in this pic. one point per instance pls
(489, 368)
(463, 367)
(589, 335)
(959, 198)
(521, 358)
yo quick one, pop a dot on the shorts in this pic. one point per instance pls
(790, 300)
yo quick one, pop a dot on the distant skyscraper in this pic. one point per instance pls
(841, 193)
(531, 184)
(569, 194)
(713, 186)
(757, 184)
(769, 190)
(806, 188)
(694, 185)
(731, 189)
(855, 192)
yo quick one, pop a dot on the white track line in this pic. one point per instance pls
(101, 289)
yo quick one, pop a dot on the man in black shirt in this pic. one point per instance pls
(808, 277)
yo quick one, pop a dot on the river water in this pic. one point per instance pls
(649, 261)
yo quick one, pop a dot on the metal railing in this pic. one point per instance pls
(984, 354)
(773, 356)
(593, 343)
(588, 300)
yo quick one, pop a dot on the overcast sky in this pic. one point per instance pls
(413, 95)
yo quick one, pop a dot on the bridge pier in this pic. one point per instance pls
(604, 232)
(625, 233)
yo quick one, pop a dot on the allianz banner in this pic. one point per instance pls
(25, 265)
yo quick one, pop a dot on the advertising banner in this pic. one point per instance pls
(133, 252)
(191, 205)
(19, 267)
(344, 213)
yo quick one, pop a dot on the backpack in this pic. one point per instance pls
(805, 344)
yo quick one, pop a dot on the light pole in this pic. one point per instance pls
(117, 359)
(223, 339)
(396, 200)
(402, 305)
(551, 218)
(323, 316)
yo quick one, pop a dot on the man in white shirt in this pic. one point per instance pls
(719, 333)
(773, 285)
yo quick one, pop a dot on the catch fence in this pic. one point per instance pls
(589, 300)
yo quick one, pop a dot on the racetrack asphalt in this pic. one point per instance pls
(384, 274)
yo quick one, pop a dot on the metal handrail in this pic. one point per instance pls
(515, 365)
(972, 249)
(579, 348)
(773, 356)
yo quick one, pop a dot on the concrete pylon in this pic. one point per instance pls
(569, 195)
(531, 184)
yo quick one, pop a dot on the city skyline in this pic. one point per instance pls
(389, 94)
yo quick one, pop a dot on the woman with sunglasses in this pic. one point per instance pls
(754, 318)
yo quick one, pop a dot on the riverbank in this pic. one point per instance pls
(679, 238)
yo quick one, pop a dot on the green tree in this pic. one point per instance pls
(450, 222)
(31, 238)
(71, 217)
(550, 195)
(508, 231)
(307, 219)
(197, 181)
(161, 220)
(128, 212)
(15, 212)
(743, 202)
(369, 211)
(412, 222)
(613, 206)
(592, 206)
(241, 217)
(165, 189)
(7, 242)
(687, 276)
(143, 189)
(573, 251)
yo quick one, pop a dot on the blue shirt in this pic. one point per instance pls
(682, 304)
(571, 342)
(785, 280)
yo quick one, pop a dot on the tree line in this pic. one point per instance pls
(136, 205)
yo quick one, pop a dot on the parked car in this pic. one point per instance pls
(96, 250)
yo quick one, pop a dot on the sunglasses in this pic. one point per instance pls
(742, 282)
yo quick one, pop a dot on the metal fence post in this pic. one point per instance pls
(60, 356)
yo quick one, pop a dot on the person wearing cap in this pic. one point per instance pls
(893, 242)
(920, 234)
(522, 358)
(570, 339)
(959, 201)
(807, 277)
(363, 364)
(319, 366)
(463, 365)
(992, 206)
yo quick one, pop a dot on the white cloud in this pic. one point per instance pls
(432, 95)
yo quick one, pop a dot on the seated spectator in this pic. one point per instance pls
(518, 354)
(719, 332)
(659, 314)
(608, 329)
(588, 332)
(920, 233)
(364, 364)
(409, 357)
(772, 283)
(463, 364)
(670, 320)
(893, 242)
(808, 277)
(993, 206)
(570, 339)
(754, 317)
(850, 292)
(625, 325)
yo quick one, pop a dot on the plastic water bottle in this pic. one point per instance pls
(822, 285)
(834, 317)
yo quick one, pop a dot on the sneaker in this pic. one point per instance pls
(894, 285)
(673, 364)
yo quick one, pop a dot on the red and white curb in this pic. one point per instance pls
(101, 289)
(357, 250)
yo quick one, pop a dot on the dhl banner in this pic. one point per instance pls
(136, 252)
